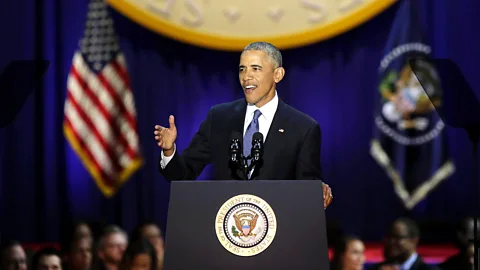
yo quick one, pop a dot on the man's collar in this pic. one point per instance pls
(268, 110)
(408, 263)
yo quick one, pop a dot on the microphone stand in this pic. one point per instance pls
(242, 163)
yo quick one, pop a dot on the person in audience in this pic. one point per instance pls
(400, 248)
(111, 246)
(13, 256)
(47, 258)
(463, 260)
(140, 255)
(78, 255)
(348, 254)
(82, 229)
(153, 233)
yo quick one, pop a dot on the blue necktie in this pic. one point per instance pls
(247, 138)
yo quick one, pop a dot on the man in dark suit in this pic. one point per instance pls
(464, 259)
(400, 250)
(292, 139)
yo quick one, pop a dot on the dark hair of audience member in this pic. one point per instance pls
(46, 251)
(138, 247)
(70, 234)
(6, 244)
(412, 227)
(137, 231)
(339, 249)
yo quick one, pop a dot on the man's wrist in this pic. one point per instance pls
(169, 152)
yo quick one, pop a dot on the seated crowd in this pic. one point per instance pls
(113, 249)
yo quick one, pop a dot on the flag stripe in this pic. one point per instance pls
(119, 81)
(118, 95)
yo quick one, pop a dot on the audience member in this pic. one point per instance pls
(153, 233)
(400, 249)
(78, 255)
(13, 256)
(463, 260)
(111, 246)
(47, 259)
(140, 255)
(348, 254)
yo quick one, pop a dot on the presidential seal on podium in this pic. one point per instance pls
(245, 225)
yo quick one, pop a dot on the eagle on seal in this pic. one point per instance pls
(246, 226)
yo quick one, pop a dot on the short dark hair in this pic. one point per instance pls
(412, 227)
(339, 248)
(137, 231)
(46, 251)
(6, 245)
(268, 48)
(110, 229)
(139, 246)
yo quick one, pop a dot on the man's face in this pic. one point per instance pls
(15, 258)
(113, 248)
(49, 262)
(399, 244)
(258, 77)
(81, 255)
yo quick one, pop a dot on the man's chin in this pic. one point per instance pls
(251, 100)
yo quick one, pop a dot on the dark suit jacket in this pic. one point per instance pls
(289, 155)
(455, 262)
(419, 264)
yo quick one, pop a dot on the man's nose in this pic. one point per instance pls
(248, 75)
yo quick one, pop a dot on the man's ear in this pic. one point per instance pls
(278, 74)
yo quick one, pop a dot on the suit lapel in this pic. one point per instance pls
(238, 118)
(236, 125)
(274, 136)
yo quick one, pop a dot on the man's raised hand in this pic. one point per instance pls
(166, 137)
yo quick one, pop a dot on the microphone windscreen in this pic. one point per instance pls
(257, 136)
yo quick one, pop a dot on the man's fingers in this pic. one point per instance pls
(171, 121)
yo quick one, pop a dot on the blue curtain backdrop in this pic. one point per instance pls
(43, 184)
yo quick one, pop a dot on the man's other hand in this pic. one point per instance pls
(327, 195)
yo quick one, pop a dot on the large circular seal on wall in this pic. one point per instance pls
(231, 24)
(245, 225)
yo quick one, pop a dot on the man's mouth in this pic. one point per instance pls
(249, 88)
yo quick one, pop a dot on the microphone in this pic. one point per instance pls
(257, 146)
(235, 146)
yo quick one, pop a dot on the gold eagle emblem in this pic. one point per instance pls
(246, 226)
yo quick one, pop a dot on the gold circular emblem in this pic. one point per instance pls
(232, 24)
(245, 225)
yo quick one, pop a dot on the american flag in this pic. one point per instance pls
(100, 121)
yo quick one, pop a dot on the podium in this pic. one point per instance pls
(218, 225)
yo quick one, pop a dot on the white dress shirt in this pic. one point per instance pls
(408, 263)
(264, 122)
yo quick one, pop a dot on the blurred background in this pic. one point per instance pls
(344, 61)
